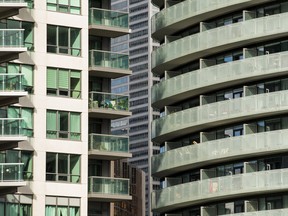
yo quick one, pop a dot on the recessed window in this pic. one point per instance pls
(64, 6)
(63, 40)
(63, 82)
(63, 167)
(63, 124)
(13, 204)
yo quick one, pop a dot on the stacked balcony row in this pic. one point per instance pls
(105, 65)
(196, 46)
(11, 89)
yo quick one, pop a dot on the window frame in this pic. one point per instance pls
(58, 177)
(58, 6)
(58, 91)
(56, 48)
(56, 134)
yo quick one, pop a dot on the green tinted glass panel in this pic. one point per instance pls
(27, 70)
(51, 78)
(13, 68)
(75, 3)
(63, 78)
(51, 120)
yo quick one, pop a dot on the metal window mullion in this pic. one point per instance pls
(57, 174)
(69, 174)
(57, 82)
(69, 82)
(57, 39)
(69, 40)
(57, 126)
(69, 121)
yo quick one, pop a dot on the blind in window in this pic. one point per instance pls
(63, 79)
(51, 78)
(51, 120)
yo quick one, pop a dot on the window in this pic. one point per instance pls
(64, 6)
(62, 167)
(16, 205)
(26, 114)
(63, 40)
(14, 69)
(60, 206)
(64, 125)
(63, 82)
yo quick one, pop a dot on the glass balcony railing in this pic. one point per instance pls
(187, 9)
(12, 1)
(108, 143)
(219, 188)
(215, 38)
(11, 172)
(274, 212)
(198, 117)
(11, 82)
(222, 73)
(108, 18)
(210, 151)
(11, 38)
(11, 127)
(100, 100)
(113, 60)
(111, 186)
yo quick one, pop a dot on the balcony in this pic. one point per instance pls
(108, 106)
(11, 132)
(108, 64)
(220, 39)
(219, 151)
(108, 189)
(10, 8)
(215, 77)
(220, 113)
(108, 23)
(11, 44)
(11, 177)
(108, 147)
(221, 188)
(278, 212)
(190, 12)
(11, 88)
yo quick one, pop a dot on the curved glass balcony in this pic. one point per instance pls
(108, 64)
(112, 23)
(108, 188)
(109, 146)
(220, 188)
(190, 12)
(274, 212)
(236, 72)
(219, 39)
(216, 114)
(206, 153)
(107, 105)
